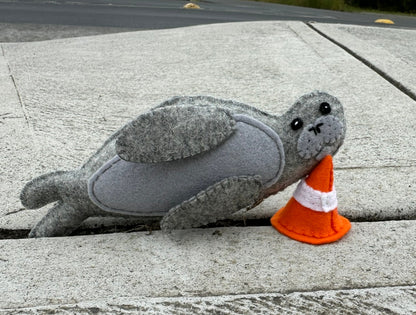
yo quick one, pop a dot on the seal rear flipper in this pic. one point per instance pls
(215, 203)
(42, 190)
(60, 220)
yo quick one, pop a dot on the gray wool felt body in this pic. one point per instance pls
(192, 160)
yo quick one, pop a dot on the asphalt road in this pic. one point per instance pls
(51, 19)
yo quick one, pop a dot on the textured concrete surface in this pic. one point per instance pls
(15, 140)
(209, 262)
(393, 51)
(61, 99)
(387, 300)
(75, 92)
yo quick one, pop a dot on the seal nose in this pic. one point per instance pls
(316, 129)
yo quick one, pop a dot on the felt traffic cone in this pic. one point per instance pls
(311, 215)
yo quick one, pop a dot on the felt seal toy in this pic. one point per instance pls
(192, 160)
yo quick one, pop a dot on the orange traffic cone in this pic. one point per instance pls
(311, 215)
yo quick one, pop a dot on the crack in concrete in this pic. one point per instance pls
(16, 211)
(366, 62)
(227, 303)
(5, 116)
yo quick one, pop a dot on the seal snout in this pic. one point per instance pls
(316, 129)
(324, 133)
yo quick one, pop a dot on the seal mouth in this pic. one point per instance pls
(329, 149)
(326, 150)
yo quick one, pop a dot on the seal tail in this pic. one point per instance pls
(42, 190)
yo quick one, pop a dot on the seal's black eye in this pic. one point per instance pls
(325, 108)
(296, 123)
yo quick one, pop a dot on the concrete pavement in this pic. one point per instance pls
(63, 98)
(205, 262)
(391, 52)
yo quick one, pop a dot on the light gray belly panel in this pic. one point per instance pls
(152, 189)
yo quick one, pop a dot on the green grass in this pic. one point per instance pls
(349, 8)
(338, 5)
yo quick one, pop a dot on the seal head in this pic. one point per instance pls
(317, 121)
(311, 129)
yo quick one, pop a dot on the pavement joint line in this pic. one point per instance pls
(15, 234)
(380, 72)
(20, 101)
(348, 168)
(22, 106)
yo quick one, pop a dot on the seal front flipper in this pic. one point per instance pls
(215, 203)
(173, 133)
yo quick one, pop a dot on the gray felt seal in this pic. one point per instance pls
(192, 159)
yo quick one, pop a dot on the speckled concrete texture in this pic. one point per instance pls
(61, 99)
(392, 51)
(202, 262)
(386, 300)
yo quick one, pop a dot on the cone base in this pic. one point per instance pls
(344, 226)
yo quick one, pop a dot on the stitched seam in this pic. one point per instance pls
(107, 207)
(290, 228)
(253, 122)
(215, 187)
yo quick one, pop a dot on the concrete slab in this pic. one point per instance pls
(393, 51)
(388, 300)
(114, 268)
(16, 135)
(76, 92)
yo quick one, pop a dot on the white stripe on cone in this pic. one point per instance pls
(314, 199)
